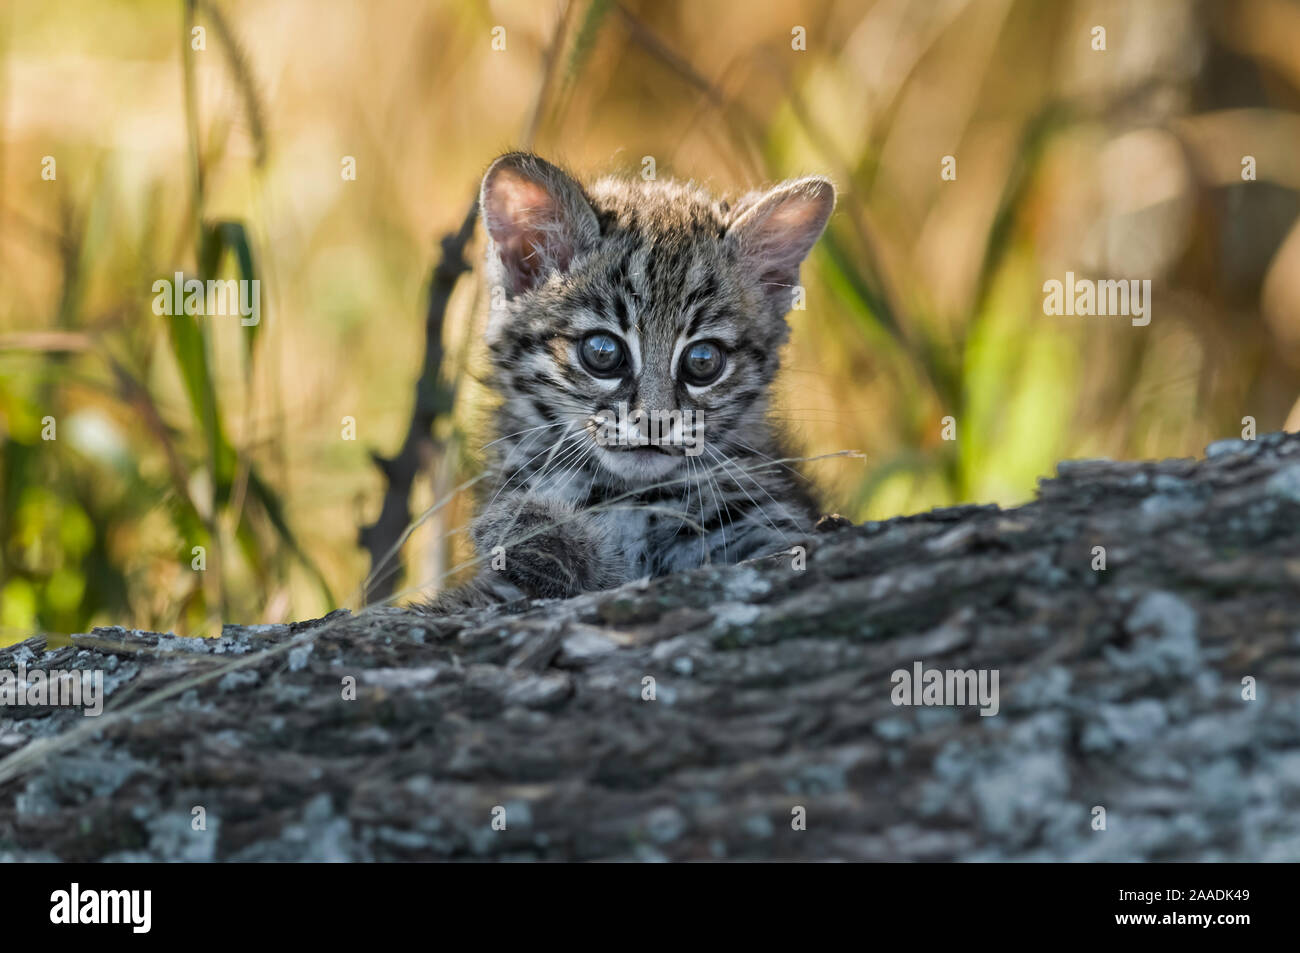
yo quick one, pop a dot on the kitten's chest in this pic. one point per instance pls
(643, 536)
(628, 531)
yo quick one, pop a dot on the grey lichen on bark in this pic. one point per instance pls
(742, 712)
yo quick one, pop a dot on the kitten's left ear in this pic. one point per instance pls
(774, 232)
(538, 218)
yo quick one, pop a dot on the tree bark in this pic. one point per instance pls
(1119, 688)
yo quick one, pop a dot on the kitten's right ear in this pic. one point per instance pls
(774, 231)
(537, 217)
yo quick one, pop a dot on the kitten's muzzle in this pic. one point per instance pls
(648, 448)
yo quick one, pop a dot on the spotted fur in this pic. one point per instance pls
(660, 265)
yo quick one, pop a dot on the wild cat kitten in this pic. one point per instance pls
(632, 297)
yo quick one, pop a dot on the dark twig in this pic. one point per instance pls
(433, 396)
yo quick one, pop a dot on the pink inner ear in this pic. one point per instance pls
(517, 203)
(778, 232)
(521, 218)
(783, 237)
(796, 220)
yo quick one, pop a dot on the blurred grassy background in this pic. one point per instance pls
(924, 299)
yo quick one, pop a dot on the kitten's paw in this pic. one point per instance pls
(545, 549)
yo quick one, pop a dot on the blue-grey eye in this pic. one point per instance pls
(602, 354)
(702, 363)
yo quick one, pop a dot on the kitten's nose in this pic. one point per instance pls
(654, 397)
(655, 408)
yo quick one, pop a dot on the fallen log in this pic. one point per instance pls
(1142, 619)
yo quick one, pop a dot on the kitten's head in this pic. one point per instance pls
(653, 295)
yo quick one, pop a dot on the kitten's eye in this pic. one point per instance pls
(602, 354)
(702, 363)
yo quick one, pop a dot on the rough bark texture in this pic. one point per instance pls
(1119, 688)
